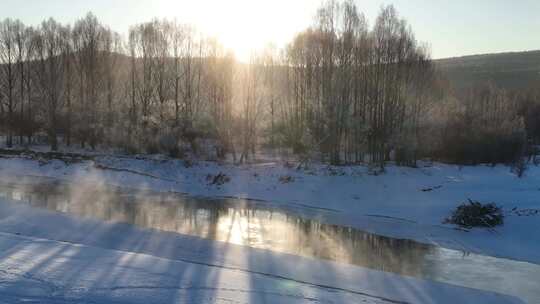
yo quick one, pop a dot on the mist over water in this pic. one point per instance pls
(235, 221)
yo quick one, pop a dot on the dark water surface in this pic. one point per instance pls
(261, 225)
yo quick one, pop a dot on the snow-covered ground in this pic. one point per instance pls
(52, 258)
(403, 202)
(44, 271)
(49, 257)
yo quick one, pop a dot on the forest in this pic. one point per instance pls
(343, 91)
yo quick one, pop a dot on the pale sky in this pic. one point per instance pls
(452, 28)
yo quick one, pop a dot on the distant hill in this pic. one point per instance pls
(513, 71)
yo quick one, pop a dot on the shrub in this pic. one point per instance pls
(219, 179)
(285, 179)
(476, 214)
(519, 167)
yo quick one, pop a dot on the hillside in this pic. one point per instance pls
(514, 71)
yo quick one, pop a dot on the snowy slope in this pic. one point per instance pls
(42, 271)
(52, 258)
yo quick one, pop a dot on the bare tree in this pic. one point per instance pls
(49, 46)
(21, 38)
(8, 57)
(67, 62)
(218, 79)
(250, 105)
(144, 52)
(30, 126)
(112, 49)
(88, 45)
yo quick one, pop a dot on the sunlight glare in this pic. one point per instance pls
(242, 26)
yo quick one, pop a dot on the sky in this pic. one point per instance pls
(450, 28)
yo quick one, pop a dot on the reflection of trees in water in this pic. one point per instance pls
(259, 226)
(353, 246)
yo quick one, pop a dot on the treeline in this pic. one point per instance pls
(483, 124)
(357, 93)
(342, 92)
(87, 85)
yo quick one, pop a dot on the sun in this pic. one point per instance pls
(239, 26)
(242, 26)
